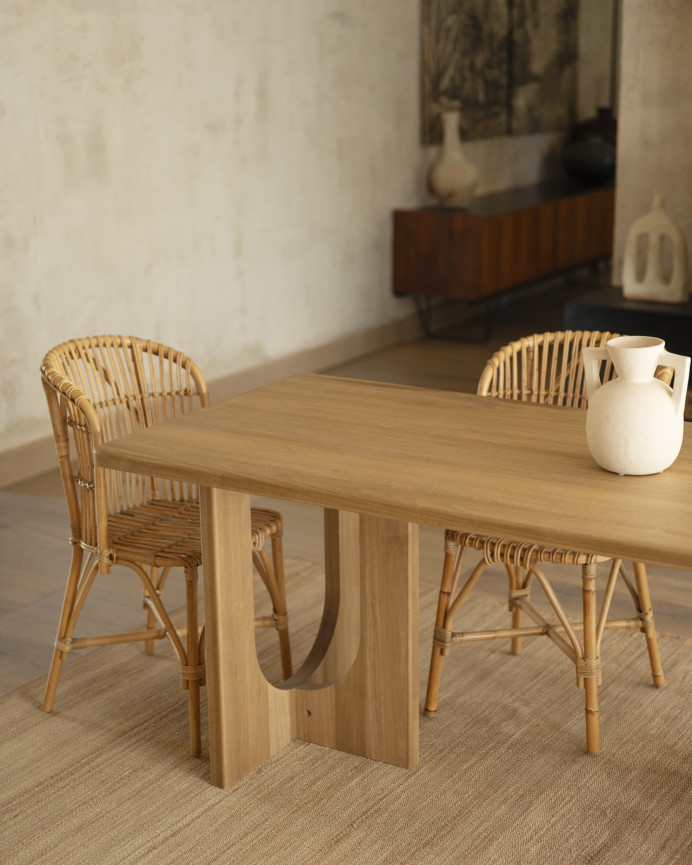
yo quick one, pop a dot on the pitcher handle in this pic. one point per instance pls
(681, 365)
(592, 356)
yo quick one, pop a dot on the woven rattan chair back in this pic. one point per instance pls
(108, 386)
(544, 368)
(101, 388)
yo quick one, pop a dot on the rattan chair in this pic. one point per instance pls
(543, 368)
(101, 388)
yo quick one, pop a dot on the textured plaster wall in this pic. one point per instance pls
(655, 118)
(218, 175)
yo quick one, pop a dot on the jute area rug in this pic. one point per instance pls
(503, 776)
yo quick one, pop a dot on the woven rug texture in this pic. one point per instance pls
(503, 777)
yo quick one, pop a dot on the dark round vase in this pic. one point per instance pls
(589, 155)
(591, 159)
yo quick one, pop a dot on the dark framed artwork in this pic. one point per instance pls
(508, 65)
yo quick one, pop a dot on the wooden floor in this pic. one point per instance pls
(34, 527)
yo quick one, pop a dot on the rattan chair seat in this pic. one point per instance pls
(167, 533)
(506, 552)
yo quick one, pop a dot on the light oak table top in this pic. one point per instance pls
(430, 457)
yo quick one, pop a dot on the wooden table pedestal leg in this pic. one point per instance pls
(372, 710)
(249, 720)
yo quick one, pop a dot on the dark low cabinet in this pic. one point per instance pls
(504, 240)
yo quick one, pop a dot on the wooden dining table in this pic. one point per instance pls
(381, 459)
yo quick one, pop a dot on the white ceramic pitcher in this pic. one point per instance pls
(635, 423)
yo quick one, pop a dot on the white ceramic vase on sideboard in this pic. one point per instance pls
(452, 179)
(651, 281)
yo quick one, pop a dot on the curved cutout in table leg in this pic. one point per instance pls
(338, 638)
(373, 710)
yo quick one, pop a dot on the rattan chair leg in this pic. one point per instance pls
(67, 624)
(150, 624)
(443, 604)
(279, 620)
(647, 617)
(201, 650)
(158, 580)
(193, 684)
(53, 678)
(516, 583)
(281, 607)
(590, 664)
(434, 676)
(151, 618)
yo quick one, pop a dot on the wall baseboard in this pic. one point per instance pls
(38, 456)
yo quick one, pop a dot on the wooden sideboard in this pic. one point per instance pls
(504, 240)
